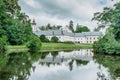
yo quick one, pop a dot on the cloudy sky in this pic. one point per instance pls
(60, 12)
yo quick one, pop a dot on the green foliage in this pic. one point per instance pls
(80, 29)
(54, 39)
(43, 38)
(12, 6)
(110, 43)
(18, 33)
(3, 18)
(14, 23)
(68, 42)
(34, 45)
(3, 42)
(14, 64)
(49, 27)
(96, 29)
(110, 62)
(71, 26)
(107, 44)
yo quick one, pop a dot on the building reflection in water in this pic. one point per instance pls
(73, 65)
(82, 56)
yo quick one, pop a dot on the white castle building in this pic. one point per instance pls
(64, 34)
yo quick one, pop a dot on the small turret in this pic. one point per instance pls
(33, 22)
(34, 28)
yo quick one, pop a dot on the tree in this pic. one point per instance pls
(96, 29)
(59, 26)
(48, 26)
(80, 29)
(18, 33)
(110, 43)
(13, 23)
(3, 42)
(3, 18)
(42, 28)
(34, 44)
(12, 7)
(54, 39)
(71, 26)
(43, 38)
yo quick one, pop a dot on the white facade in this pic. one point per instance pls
(66, 35)
(91, 39)
(76, 39)
(80, 40)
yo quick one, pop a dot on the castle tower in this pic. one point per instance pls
(34, 28)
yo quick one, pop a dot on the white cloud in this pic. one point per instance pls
(32, 3)
(62, 11)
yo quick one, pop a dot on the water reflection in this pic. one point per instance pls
(112, 63)
(74, 65)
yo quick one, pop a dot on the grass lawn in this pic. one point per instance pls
(51, 47)
(16, 48)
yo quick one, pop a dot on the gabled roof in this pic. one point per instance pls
(60, 33)
(79, 35)
(92, 33)
(49, 32)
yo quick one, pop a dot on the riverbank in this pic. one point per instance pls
(50, 47)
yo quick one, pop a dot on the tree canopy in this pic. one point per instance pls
(43, 38)
(80, 28)
(13, 23)
(71, 25)
(15, 26)
(50, 27)
(54, 39)
(110, 17)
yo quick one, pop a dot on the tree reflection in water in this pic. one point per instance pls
(19, 66)
(16, 66)
(111, 62)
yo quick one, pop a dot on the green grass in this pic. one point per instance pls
(64, 46)
(16, 48)
(50, 47)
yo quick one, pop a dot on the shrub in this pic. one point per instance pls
(34, 45)
(54, 39)
(2, 44)
(107, 45)
(68, 42)
(43, 38)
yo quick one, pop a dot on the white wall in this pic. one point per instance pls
(86, 39)
(91, 39)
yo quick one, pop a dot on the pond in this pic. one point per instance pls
(80, 64)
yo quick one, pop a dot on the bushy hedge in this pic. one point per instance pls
(54, 39)
(34, 44)
(43, 38)
(68, 42)
(107, 45)
(2, 44)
